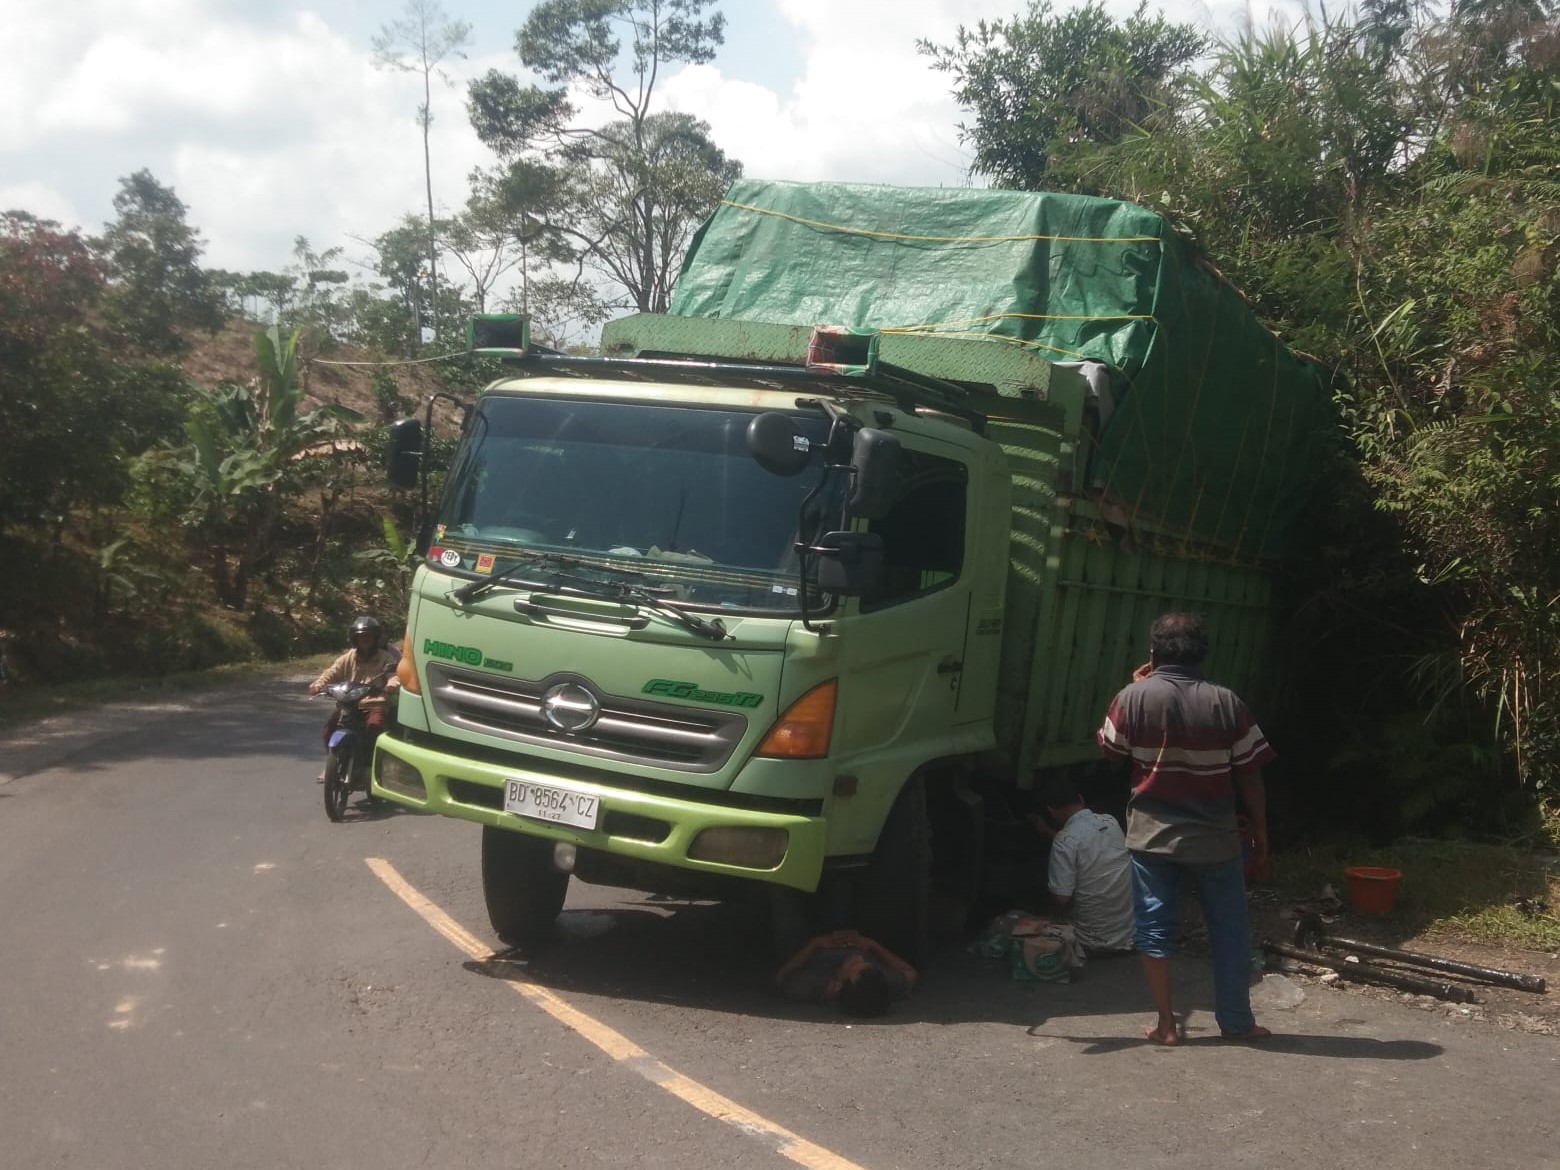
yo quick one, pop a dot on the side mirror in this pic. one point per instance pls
(850, 564)
(776, 445)
(875, 459)
(403, 457)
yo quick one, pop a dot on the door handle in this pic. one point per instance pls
(950, 665)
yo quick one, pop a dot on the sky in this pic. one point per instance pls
(270, 120)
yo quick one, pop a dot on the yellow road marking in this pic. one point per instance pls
(616, 1045)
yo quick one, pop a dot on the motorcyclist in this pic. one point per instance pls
(369, 660)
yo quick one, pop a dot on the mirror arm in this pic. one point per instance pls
(804, 546)
(421, 524)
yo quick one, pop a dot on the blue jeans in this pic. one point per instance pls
(1221, 889)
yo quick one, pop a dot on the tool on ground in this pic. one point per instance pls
(1365, 973)
(1311, 934)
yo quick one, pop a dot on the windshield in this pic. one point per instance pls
(670, 493)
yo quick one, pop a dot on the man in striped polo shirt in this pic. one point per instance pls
(1192, 743)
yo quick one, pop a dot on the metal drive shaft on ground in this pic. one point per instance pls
(1364, 973)
(1309, 933)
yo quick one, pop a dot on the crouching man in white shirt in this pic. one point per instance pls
(1089, 877)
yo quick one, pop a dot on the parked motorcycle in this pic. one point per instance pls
(349, 755)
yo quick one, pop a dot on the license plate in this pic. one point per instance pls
(561, 806)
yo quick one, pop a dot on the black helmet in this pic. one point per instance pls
(363, 624)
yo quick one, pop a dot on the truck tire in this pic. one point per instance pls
(524, 891)
(792, 921)
(892, 895)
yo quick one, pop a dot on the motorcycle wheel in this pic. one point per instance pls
(338, 784)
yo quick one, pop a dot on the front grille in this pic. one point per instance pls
(628, 730)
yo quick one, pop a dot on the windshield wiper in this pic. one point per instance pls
(621, 590)
(713, 629)
(508, 573)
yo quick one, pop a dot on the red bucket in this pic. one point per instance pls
(1372, 888)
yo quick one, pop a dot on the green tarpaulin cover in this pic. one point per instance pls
(1214, 422)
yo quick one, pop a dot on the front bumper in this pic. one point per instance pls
(632, 824)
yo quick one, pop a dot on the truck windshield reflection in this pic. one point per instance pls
(669, 492)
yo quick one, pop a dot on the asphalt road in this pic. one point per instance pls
(199, 970)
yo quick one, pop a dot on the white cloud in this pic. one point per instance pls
(266, 131)
(866, 107)
(277, 124)
(39, 199)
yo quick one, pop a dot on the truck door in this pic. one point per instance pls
(903, 654)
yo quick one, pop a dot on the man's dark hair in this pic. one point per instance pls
(868, 994)
(1058, 793)
(1179, 639)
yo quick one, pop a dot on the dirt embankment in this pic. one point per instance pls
(343, 375)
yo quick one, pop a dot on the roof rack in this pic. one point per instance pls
(830, 359)
(904, 388)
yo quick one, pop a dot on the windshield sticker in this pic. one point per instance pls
(450, 558)
(687, 690)
(469, 655)
(485, 563)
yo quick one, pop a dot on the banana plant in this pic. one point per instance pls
(244, 443)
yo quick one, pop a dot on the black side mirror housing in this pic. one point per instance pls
(403, 456)
(875, 460)
(850, 564)
(776, 444)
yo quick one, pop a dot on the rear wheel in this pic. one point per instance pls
(524, 891)
(338, 783)
(893, 894)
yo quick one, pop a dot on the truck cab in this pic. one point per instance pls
(688, 626)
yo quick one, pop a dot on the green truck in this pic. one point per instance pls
(795, 586)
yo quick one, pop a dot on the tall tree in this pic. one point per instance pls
(397, 262)
(319, 310)
(152, 258)
(630, 190)
(417, 43)
(1040, 81)
(1380, 182)
(73, 409)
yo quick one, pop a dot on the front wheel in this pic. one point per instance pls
(338, 783)
(524, 891)
(893, 894)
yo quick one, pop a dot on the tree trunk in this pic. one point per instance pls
(433, 251)
(220, 581)
(257, 544)
(328, 499)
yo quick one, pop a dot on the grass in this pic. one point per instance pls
(19, 705)
(1457, 889)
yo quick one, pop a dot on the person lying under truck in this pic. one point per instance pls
(847, 968)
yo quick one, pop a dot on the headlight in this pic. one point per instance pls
(396, 775)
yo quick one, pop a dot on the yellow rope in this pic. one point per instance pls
(1023, 317)
(999, 337)
(855, 231)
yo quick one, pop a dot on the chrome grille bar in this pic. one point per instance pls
(628, 729)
